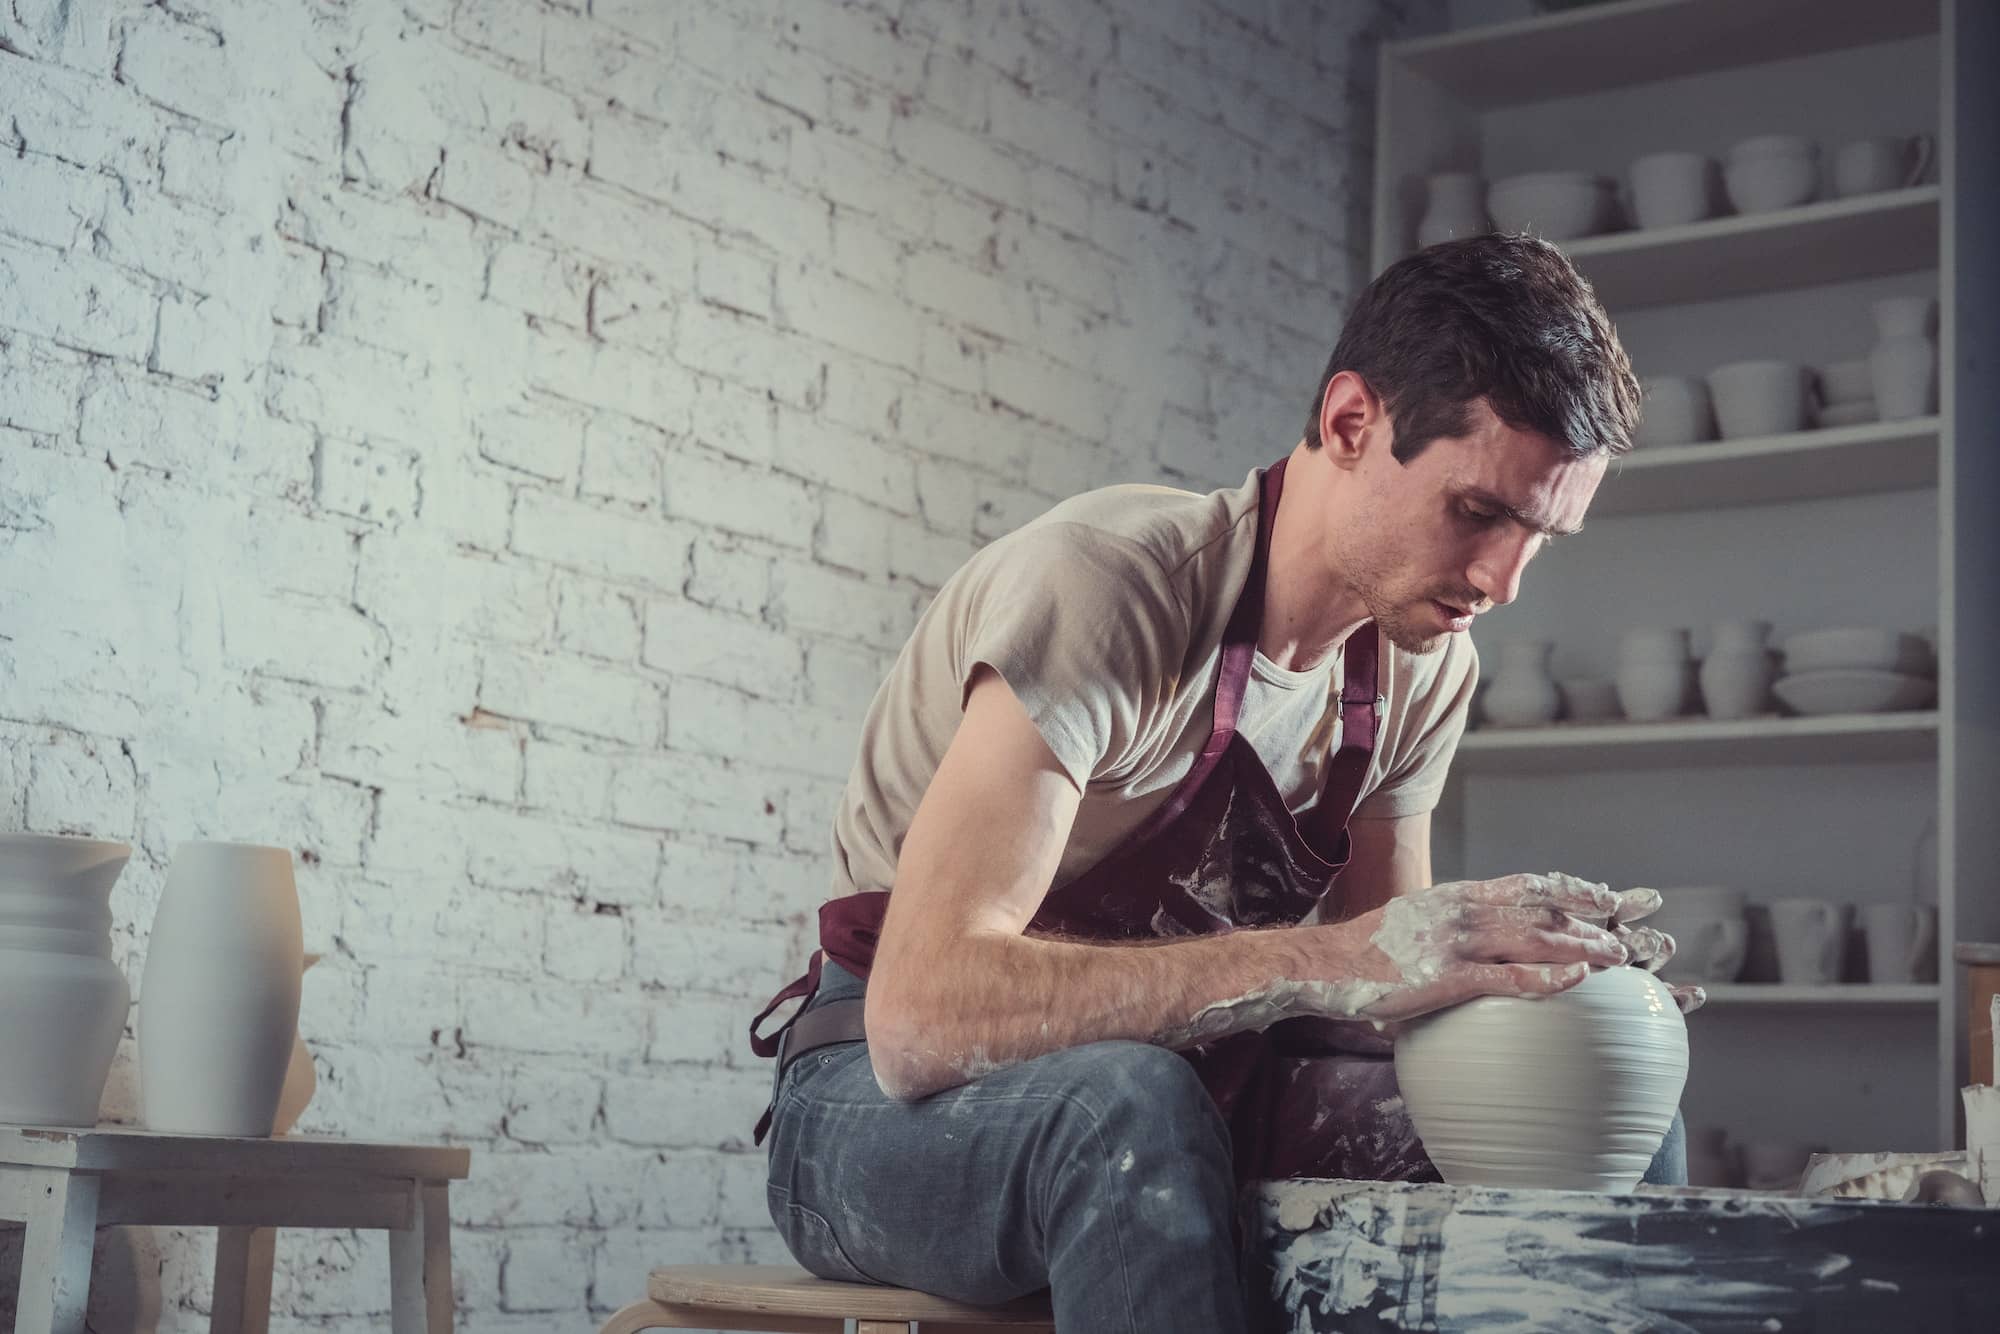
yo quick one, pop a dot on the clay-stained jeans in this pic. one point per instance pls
(1102, 1172)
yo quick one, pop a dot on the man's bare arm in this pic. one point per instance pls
(957, 989)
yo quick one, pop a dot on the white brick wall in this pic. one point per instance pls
(494, 448)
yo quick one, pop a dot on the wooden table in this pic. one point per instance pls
(66, 1183)
(1347, 1256)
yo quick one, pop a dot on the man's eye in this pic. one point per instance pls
(1483, 516)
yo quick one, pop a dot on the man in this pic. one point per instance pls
(1110, 780)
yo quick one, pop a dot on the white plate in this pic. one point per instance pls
(1858, 648)
(1854, 692)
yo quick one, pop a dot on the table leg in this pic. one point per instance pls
(243, 1262)
(61, 1211)
(420, 1266)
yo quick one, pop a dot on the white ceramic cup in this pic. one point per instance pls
(1846, 381)
(1676, 411)
(1982, 1138)
(1758, 398)
(1771, 172)
(1588, 699)
(1812, 940)
(1711, 934)
(1881, 162)
(1902, 942)
(1670, 189)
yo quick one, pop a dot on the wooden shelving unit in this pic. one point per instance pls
(1884, 523)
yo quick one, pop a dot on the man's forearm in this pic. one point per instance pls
(991, 1000)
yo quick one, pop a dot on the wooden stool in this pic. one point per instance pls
(779, 1299)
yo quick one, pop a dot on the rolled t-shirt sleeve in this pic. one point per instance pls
(1436, 716)
(1087, 631)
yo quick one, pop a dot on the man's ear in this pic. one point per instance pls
(1350, 415)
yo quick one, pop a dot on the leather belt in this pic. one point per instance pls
(823, 1026)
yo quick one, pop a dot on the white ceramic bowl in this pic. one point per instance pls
(1671, 189)
(1772, 145)
(1850, 647)
(1676, 411)
(1555, 205)
(1854, 691)
(1589, 699)
(1848, 414)
(1767, 184)
(1846, 381)
(1759, 398)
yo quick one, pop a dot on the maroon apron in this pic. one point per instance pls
(1305, 1097)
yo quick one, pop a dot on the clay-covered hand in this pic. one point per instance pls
(1649, 947)
(1519, 935)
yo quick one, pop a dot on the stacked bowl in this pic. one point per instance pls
(1847, 394)
(1856, 669)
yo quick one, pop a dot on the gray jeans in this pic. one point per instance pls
(1102, 1172)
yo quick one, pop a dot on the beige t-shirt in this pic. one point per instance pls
(1105, 616)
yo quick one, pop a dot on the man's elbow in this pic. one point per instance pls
(903, 1055)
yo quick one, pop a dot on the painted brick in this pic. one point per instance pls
(688, 639)
(535, 429)
(586, 698)
(598, 621)
(594, 540)
(723, 494)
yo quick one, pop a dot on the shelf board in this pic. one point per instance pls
(1640, 41)
(1860, 994)
(1573, 747)
(1808, 465)
(1835, 240)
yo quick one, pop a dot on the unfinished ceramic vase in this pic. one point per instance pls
(219, 1002)
(62, 999)
(1573, 1092)
(1523, 693)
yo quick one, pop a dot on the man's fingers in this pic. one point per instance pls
(1636, 903)
(1647, 945)
(1522, 979)
(1585, 898)
(1534, 944)
(1689, 998)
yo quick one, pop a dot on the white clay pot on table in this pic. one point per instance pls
(219, 1001)
(1572, 1092)
(63, 1000)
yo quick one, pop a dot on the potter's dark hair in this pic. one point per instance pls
(1504, 318)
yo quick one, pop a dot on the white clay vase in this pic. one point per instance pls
(1572, 1092)
(62, 1000)
(1653, 691)
(219, 1001)
(1903, 364)
(301, 1078)
(1736, 675)
(1523, 692)
(1456, 209)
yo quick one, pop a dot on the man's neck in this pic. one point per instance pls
(1309, 610)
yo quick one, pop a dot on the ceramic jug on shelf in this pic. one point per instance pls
(1736, 675)
(1523, 692)
(1456, 210)
(1903, 364)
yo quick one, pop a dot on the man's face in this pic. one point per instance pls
(1446, 537)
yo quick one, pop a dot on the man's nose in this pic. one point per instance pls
(1497, 570)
